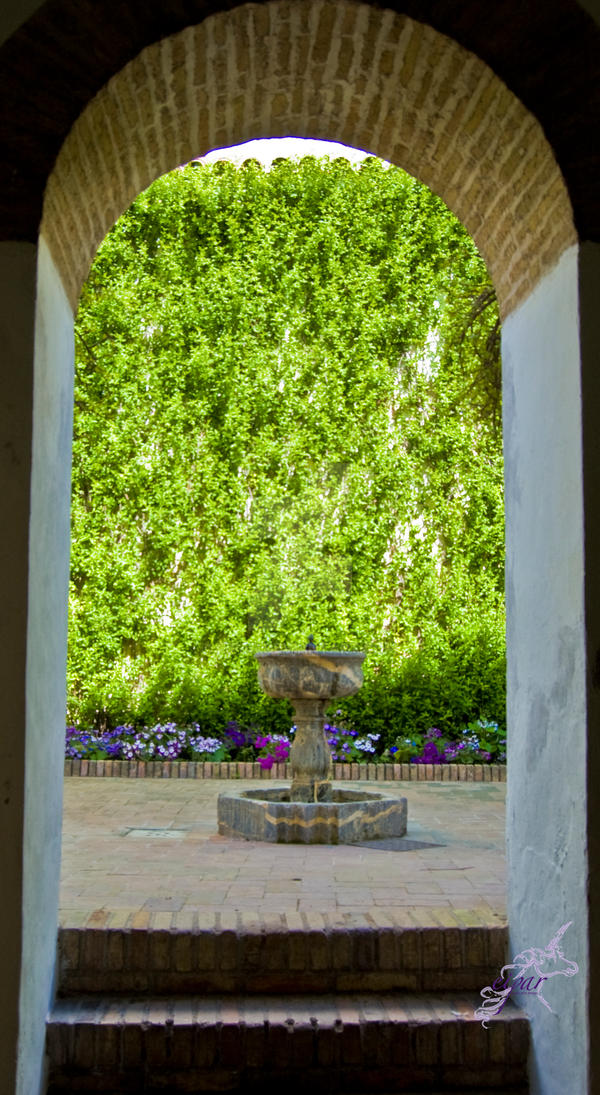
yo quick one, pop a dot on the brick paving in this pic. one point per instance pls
(146, 854)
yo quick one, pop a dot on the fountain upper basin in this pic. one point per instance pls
(310, 674)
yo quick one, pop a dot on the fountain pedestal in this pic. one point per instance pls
(311, 811)
(310, 755)
(311, 679)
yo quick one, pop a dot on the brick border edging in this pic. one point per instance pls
(188, 769)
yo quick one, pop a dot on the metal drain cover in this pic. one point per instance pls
(396, 844)
(145, 834)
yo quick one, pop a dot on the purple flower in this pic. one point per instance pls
(365, 744)
(238, 737)
(282, 751)
(450, 752)
(200, 744)
(431, 755)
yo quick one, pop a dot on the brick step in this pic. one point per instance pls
(332, 1044)
(302, 958)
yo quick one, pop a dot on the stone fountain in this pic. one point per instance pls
(311, 811)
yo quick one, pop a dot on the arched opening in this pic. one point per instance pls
(321, 299)
(439, 112)
(342, 72)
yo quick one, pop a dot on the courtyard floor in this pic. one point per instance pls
(146, 853)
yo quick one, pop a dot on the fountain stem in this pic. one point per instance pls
(310, 755)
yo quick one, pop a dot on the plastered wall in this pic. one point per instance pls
(547, 709)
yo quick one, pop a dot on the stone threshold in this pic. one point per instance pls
(188, 769)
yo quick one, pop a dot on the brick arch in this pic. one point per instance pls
(341, 71)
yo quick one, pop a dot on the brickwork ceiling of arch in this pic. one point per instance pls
(546, 51)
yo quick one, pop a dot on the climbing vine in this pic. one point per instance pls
(286, 422)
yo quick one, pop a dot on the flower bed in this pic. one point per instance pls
(477, 745)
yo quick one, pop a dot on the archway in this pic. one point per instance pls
(336, 71)
(346, 72)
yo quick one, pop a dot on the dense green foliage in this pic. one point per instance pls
(281, 428)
